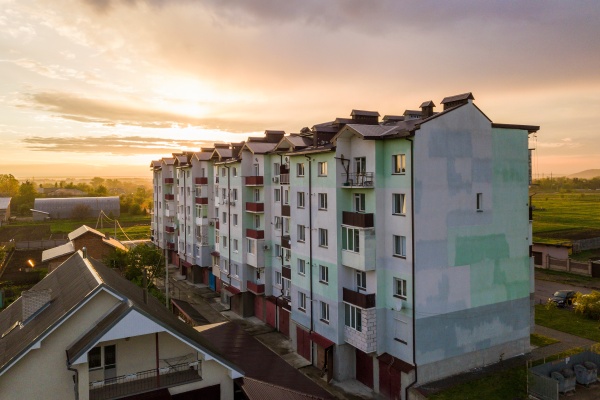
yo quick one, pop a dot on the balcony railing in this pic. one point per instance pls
(169, 181)
(256, 288)
(201, 181)
(360, 179)
(255, 207)
(201, 200)
(360, 220)
(145, 381)
(169, 196)
(255, 233)
(170, 229)
(284, 179)
(362, 300)
(285, 210)
(170, 245)
(254, 181)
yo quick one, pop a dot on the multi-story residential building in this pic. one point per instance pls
(399, 249)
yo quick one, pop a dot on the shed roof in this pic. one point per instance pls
(58, 251)
(4, 202)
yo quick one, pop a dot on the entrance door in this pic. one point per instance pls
(110, 363)
(212, 281)
(364, 368)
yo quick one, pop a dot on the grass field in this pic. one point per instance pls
(561, 217)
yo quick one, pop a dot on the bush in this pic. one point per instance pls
(588, 305)
(81, 211)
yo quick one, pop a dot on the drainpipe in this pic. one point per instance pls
(185, 216)
(75, 377)
(310, 249)
(228, 230)
(412, 216)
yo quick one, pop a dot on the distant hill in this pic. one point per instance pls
(587, 174)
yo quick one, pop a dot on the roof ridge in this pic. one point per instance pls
(91, 268)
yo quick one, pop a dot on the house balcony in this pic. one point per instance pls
(201, 200)
(358, 180)
(358, 299)
(286, 272)
(169, 229)
(254, 181)
(255, 207)
(169, 213)
(201, 181)
(365, 258)
(256, 288)
(256, 259)
(145, 381)
(169, 181)
(217, 224)
(201, 221)
(284, 179)
(170, 246)
(255, 233)
(285, 210)
(169, 196)
(360, 220)
(286, 242)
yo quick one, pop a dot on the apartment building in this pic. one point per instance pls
(393, 251)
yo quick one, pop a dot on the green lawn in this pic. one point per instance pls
(567, 321)
(541, 340)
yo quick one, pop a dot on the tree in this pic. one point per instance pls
(144, 257)
(97, 181)
(9, 185)
(81, 211)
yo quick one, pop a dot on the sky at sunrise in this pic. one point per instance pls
(102, 87)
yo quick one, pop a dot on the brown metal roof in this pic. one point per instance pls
(363, 113)
(458, 97)
(428, 103)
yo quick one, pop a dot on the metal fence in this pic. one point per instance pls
(569, 265)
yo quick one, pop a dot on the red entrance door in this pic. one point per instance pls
(284, 321)
(364, 368)
(303, 340)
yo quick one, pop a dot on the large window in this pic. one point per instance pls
(323, 237)
(398, 204)
(302, 301)
(323, 274)
(361, 280)
(322, 201)
(360, 165)
(300, 199)
(301, 267)
(322, 168)
(277, 222)
(300, 169)
(400, 288)
(350, 239)
(400, 246)
(398, 163)
(324, 311)
(353, 317)
(301, 233)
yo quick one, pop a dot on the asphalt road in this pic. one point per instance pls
(545, 289)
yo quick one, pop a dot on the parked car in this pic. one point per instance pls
(562, 298)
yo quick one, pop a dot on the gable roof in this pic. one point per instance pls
(258, 147)
(458, 97)
(83, 229)
(58, 251)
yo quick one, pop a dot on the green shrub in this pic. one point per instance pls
(588, 304)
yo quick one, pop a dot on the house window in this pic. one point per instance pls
(256, 169)
(302, 301)
(359, 202)
(285, 287)
(301, 267)
(300, 199)
(286, 226)
(287, 254)
(256, 195)
(322, 168)
(234, 170)
(224, 217)
(324, 311)
(398, 163)
(323, 274)
(400, 246)
(286, 197)
(235, 270)
(323, 237)
(234, 194)
(360, 165)
(277, 249)
(224, 195)
(234, 219)
(223, 171)
(257, 221)
(102, 356)
(301, 233)
(276, 168)
(217, 237)
(277, 195)
(278, 278)
(400, 288)
(479, 201)
(350, 239)
(95, 358)
(398, 204)
(235, 245)
(224, 241)
(277, 222)
(352, 317)
(300, 169)
(361, 280)
(322, 201)
(250, 246)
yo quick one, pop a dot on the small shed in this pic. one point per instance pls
(4, 210)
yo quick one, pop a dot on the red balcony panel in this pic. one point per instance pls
(285, 211)
(201, 200)
(359, 299)
(254, 180)
(255, 207)
(285, 242)
(286, 272)
(361, 220)
(169, 196)
(201, 181)
(255, 234)
(169, 181)
(232, 289)
(170, 229)
(256, 288)
(170, 246)
(283, 169)
(217, 224)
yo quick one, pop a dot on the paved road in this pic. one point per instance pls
(545, 289)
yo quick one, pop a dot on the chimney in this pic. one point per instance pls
(457, 100)
(427, 109)
(84, 251)
(33, 300)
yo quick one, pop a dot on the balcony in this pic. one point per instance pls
(286, 272)
(169, 229)
(145, 381)
(201, 200)
(169, 196)
(255, 207)
(255, 234)
(201, 181)
(169, 181)
(284, 179)
(361, 180)
(285, 210)
(217, 224)
(254, 181)
(169, 213)
(285, 242)
(359, 299)
(170, 246)
(360, 220)
(256, 288)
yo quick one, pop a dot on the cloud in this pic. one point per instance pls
(113, 144)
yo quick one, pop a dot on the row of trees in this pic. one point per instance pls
(23, 194)
(557, 184)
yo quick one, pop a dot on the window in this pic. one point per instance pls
(400, 246)
(350, 239)
(479, 201)
(257, 221)
(301, 233)
(300, 199)
(352, 317)
(224, 241)
(322, 201)
(256, 169)
(278, 278)
(323, 274)
(250, 246)
(95, 358)
(224, 194)
(203, 172)
(224, 217)
(276, 168)
(302, 301)
(398, 204)
(234, 170)
(324, 311)
(400, 288)
(277, 222)
(300, 169)
(234, 194)
(223, 172)
(235, 245)
(361, 280)
(285, 287)
(277, 249)
(301, 267)
(286, 226)
(360, 165)
(323, 237)
(217, 237)
(359, 202)
(277, 195)
(102, 356)
(287, 254)
(398, 164)
(235, 269)
(286, 197)
(234, 219)
(256, 195)
(322, 168)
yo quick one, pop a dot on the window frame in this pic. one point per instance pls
(324, 313)
(323, 238)
(361, 280)
(301, 233)
(301, 266)
(479, 202)
(322, 201)
(398, 164)
(322, 168)
(399, 199)
(399, 245)
(300, 200)
(277, 195)
(353, 317)
(324, 274)
(351, 239)
(301, 301)
(400, 288)
(300, 169)
(360, 200)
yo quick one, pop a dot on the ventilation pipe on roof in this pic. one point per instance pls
(84, 251)
(427, 109)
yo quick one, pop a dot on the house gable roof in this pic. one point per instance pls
(58, 251)
(82, 230)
